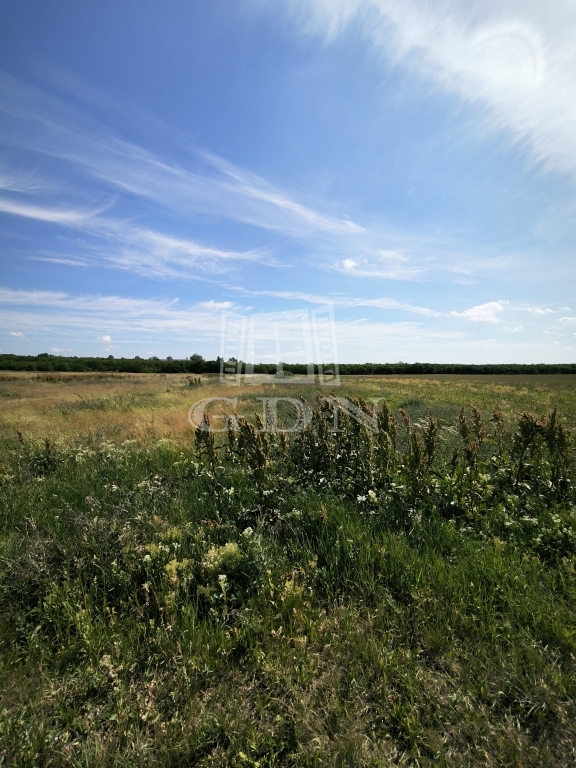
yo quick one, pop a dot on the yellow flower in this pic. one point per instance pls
(171, 534)
(217, 557)
(173, 567)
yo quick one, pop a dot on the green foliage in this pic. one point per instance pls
(337, 596)
(196, 364)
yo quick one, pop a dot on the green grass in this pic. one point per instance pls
(336, 605)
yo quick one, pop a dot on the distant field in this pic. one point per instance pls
(405, 596)
(129, 404)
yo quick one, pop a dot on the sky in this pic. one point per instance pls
(405, 167)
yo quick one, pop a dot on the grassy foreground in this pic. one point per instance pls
(405, 597)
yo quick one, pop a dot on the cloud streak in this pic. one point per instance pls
(169, 325)
(71, 218)
(137, 249)
(199, 184)
(515, 59)
(214, 186)
(345, 301)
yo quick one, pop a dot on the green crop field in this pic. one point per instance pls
(400, 590)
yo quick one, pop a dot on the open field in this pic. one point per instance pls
(131, 405)
(404, 596)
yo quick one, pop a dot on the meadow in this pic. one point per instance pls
(404, 595)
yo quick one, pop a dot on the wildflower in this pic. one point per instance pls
(247, 532)
(173, 567)
(171, 534)
(372, 495)
(360, 499)
(291, 590)
(155, 550)
(216, 557)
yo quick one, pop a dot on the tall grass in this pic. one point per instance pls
(330, 597)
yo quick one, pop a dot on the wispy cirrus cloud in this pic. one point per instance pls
(200, 184)
(174, 327)
(69, 262)
(516, 60)
(107, 317)
(27, 210)
(157, 255)
(132, 248)
(345, 301)
(103, 319)
(209, 185)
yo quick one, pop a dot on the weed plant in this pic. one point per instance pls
(332, 597)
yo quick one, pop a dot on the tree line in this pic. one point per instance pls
(197, 364)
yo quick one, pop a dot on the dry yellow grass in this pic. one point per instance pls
(136, 406)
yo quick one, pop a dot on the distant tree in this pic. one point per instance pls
(169, 358)
(196, 364)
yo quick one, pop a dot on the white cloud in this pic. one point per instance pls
(68, 262)
(17, 180)
(57, 318)
(199, 183)
(209, 185)
(57, 311)
(140, 250)
(16, 334)
(567, 320)
(345, 301)
(516, 59)
(55, 216)
(155, 254)
(379, 263)
(538, 311)
(483, 313)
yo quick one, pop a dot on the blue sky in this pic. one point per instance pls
(412, 164)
